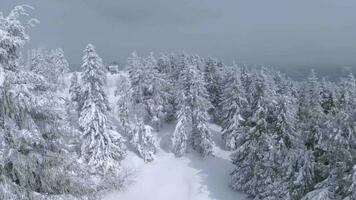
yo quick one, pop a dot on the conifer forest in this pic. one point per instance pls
(164, 125)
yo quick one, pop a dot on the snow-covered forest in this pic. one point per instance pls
(175, 126)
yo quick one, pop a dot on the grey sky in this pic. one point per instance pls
(251, 31)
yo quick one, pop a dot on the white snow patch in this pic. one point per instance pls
(186, 178)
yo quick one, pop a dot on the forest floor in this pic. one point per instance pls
(187, 178)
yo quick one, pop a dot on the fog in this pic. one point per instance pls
(276, 32)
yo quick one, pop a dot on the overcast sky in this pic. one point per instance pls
(290, 32)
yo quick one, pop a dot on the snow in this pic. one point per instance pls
(188, 177)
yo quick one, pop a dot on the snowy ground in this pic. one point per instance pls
(189, 177)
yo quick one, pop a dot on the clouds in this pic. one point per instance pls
(251, 31)
(153, 12)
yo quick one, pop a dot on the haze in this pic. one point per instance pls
(258, 32)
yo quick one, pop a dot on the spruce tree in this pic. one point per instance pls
(34, 155)
(124, 104)
(148, 91)
(253, 155)
(310, 126)
(61, 66)
(213, 80)
(74, 88)
(50, 64)
(183, 129)
(194, 105)
(143, 140)
(102, 147)
(232, 102)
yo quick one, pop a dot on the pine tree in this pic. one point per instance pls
(347, 94)
(165, 71)
(124, 105)
(155, 95)
(140, 135)
(43, 63)
(183, 130)
(135, 69)
(282, 150)
(61, 66)
(73, 104)
(253, 156)
(196, 99)
(213, 80)
(33, 152)
(143, 140)
(74, 88)
(328, 97)
(38, 62)
(102, 147)
(232, 101)
(147, 89)
(310, 112)
(311, 127)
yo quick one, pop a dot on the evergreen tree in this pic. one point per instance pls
(143, 140)
(61, 66)
(183, 129)
(213, 80)
(347, 94)
(50, 64)
(165, 70)
(34, 155)
(328, 97)
(155, 95)
(74, 88)
(137, 79)
(253, 155)
(147, 89)
(72, 104)
(102, 147)
(311, 125)
(197, 100)
(232, 101)
(124, 107)
(194, 105)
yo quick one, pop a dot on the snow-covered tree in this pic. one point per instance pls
(102, 147)
(328, 99)
(165, 70)
(72, 103)
(253, 156)
(61, 65)
(232, 101)
(147, 86)
(135, 69)
(143, 140)
(183, 129)
(124, 103)
(155, 95)
(194, 96)
(13, 36)
(310, 117)
(213, 80)
(347, 94)
(74, 88)
(50, 64)
(34, 155)
(38, 62)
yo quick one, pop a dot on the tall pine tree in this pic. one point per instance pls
(102, 147)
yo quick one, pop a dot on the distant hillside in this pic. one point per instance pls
(296, 72)
(331, 72)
